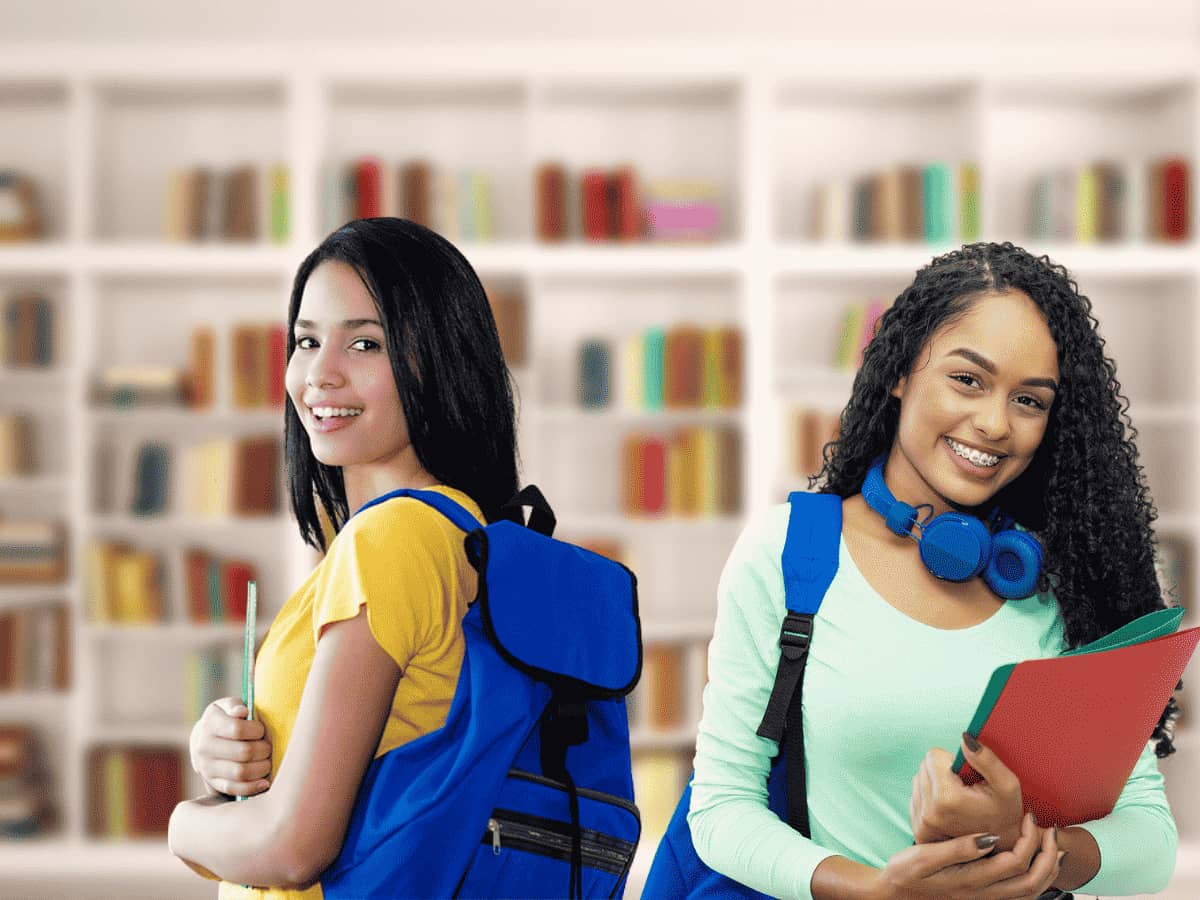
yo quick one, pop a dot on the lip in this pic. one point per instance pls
(988, 450)
(968, 468)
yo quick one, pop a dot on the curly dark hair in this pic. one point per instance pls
(1084, 494)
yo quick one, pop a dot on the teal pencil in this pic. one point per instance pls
(248, 649)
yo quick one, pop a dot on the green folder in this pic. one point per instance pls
(1145, 628)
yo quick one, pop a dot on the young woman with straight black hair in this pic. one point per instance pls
(395, 380)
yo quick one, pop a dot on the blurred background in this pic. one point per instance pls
(688, 222)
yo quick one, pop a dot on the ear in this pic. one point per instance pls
(898, 390)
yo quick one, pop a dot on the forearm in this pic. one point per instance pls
(237, 842)
(839, 878)
(1082, 861)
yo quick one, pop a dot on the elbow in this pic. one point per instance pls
(302, 852)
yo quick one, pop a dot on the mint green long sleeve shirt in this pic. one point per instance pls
(880, 690)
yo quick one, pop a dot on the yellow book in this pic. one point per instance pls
(658, 778)
(851, 336)
(136, 583)
(101, 598)
(710, 385)
(633, 372)
(116, 789)
(685, 473)
(707, 472)
(1085, 206)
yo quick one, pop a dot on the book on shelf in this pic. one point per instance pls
(684, 366)
(1107, 200)
(17, 456)
(124, 584)
(550, 202)
(457, 203)
(132, 790)
(510, 311)
(216, 586)
(206, 678)
(258, 362)
(35, 644)
(199, 391)
(663, 707)
(682, 210)
(936, 202)
(20, 207)
(232, 477)
(694, 473)
(812, 429)
(659, 777)
(151, 479)
(859, 324)
(25, 806)
(594, 378)
(32, 551)
(139, 385)
(28, 339)
(205, 203)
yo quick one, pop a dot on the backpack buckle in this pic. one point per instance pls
(796, 635)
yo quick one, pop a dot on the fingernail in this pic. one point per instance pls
(1033, 818)
(972, 744)
(985, 841)
(1056, 833)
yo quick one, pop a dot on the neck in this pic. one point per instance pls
(366, 482)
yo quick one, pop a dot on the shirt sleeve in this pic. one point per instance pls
(733, 830)
(395, 560)
(1138, 839)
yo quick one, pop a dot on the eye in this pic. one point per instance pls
(1028, 400)
(366, 344)
(966, 378)
(305, 343)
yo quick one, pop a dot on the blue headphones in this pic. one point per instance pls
(955, 546)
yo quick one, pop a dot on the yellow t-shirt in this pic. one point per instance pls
(405, 562)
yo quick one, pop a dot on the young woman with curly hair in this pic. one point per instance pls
(985, 386)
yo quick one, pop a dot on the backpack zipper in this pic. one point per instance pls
(535, 834)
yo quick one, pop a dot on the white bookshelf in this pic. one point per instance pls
(101, 129)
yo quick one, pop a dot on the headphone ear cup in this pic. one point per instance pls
(955, 547)
(1016, 561)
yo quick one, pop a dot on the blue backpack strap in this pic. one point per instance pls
(451, 509)
(809, 562)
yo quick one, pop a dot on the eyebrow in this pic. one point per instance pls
(349, 324)
(990, 367)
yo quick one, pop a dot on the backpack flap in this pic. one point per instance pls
(562, 614)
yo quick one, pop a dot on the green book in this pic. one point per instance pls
(968, 198)
(654, 348)
(938, 204)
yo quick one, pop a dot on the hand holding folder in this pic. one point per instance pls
(1071, 728)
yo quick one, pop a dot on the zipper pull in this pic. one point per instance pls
(494, 828)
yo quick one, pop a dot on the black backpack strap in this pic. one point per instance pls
(809, 562)
(541, 516)
(564, 724)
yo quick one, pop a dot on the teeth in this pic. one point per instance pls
(327, 412)
(977, 457)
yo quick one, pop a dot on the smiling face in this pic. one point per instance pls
(340, 381)
(975, 407)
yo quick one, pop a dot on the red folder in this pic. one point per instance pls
(1072, 728)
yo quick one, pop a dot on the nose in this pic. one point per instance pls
(324, 370)
(991, 417)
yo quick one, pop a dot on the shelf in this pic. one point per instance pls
(32, 483)
(566, 415)
(21, 595)
(33, 258)
(172, 632)
(645, 739)
(20, 380)
(208, 259)
(676, 632)
(127, 733)
(45, 858)
(179, 524)
(883, 260)
(663, 525)
(175, 416)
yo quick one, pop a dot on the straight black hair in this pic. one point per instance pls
(454, 386)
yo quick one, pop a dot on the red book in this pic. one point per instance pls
(626, 204)
(155, 785)
(234, 576)
(1071, 728)
(595, 205)
(196, 572)
(653, 493)
(551, 190)
(1175, 199)
(368, 188)
(276, 365)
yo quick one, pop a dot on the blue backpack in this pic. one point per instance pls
(527, 790)
(809, 562)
